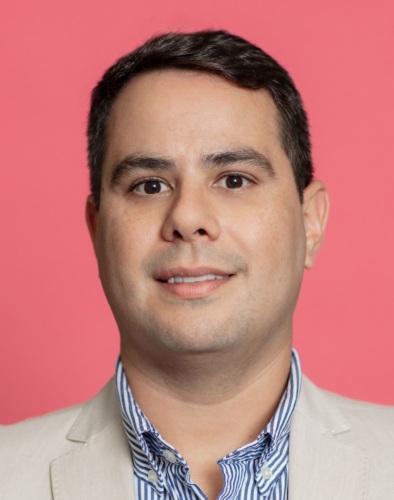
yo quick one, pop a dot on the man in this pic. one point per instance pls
(203, 215)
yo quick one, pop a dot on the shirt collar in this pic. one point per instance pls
(146, 442)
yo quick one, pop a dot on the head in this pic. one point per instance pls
(212, 52)
(203, 213)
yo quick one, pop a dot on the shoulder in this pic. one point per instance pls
(371, 427)
(351, 424)
(332, 436)
(339, 413)
(360, 416)
(51, 430)
(364, 415)
(27, 448)
(46, 432)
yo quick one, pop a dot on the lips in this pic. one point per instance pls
(191, 275)
(191, 283)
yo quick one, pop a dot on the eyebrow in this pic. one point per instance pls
(248, 155)
(213, 160)
(140, 162)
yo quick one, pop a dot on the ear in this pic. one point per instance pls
(316, 207)
(91, 215)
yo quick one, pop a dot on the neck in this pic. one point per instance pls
(198, 402)
(200, 389)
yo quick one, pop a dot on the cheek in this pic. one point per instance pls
(122, 235)
(119, 261)
(273, 238)
(290, 240)
(125, 242)
(115, 249)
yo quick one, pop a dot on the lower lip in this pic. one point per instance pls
(195, 290)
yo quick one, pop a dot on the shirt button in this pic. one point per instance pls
(152, 476)
(168, 455)
(266, 473)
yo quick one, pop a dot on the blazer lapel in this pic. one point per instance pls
(100, 466)
(323, 462)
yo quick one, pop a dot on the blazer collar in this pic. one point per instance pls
(100, 465)
(324, 463)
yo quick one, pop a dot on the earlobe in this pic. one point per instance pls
(91, 217)
(316, 207)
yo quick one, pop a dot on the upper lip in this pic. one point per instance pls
(183, 272)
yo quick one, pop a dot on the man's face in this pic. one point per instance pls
(200, 236)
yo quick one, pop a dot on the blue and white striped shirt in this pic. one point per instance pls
(254, 471)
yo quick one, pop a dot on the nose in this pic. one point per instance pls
(191, 217)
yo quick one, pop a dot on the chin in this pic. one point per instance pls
(198, 337)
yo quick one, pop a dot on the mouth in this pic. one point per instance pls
(193, 283)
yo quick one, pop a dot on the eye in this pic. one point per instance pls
(234, 181)
(150, 186)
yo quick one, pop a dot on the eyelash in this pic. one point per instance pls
(141, 182)
(223, 177)
(243, 176)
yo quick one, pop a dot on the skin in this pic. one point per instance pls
(196, 182)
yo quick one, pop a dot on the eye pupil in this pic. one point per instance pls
(234, 181)
(152, 187)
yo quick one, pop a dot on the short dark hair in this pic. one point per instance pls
(215, 52)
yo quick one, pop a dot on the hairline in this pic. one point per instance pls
(200, 71)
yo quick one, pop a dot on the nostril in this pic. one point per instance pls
(178, 235)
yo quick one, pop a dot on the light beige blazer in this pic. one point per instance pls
(339, 450)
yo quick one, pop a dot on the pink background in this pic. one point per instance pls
(58, 339)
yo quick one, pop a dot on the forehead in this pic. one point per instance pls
(188, 113)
